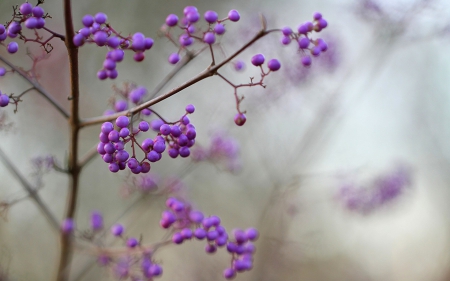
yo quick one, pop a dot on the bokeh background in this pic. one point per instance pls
(344, 164)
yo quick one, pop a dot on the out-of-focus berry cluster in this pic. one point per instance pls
(176, 137)
(380, 191)
(27, 15)
(188, 224)
(306, 44)
(192, 31)
(223, 151)
(98, 31)
(185, 224)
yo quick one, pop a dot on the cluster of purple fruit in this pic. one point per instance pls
(31, 17)
(193, 224)
(179, 136)
(316, 46)
(135, 96)
(192, 32)
(96, 30)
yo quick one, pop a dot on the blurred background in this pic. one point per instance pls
(343, 166)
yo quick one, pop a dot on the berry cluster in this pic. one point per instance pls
(190, 224)
(191, 31)
(179, 137)
(134, 94)
(96, 30)
(31, 17)
(222, 150)
(316, 46)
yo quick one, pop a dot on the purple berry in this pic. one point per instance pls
(107, 127)
(145, 167)
(233, 15)
(40, 23)
(117, 229)
(117, 55)
(165, 129)
(139, 56)
(258, 59)
(96, 220)
(303, 43)
(189, 9)
(124, 132)
(132, 242)
(196, 216)
(144, 126)
(210, 249)
(138, 42)
(190, 108)
(274, 65)
(286, 31)
(4, 100)
(286, 40)
(109, 64)
(78, 40)
(219, 29)
(31, 23)
(122, 155)
(88, 20)
(317, 16)
(155, 270)
(315, 51)
(13, 47)
(177, 238)
(2, 29)
(113, 42)
(172, 20)
(200, 233)
(252, 234)
(156, 124)
(173, 152)
(113, 167)
(147, 144)
(153, 156)
(184, 152)
(38, 12)
(174, 58)
(185, 40)
(209, 38)
(211, 16)
(240, 119)
(193, 17)
(26, 8)
(175, 131)
(2, 71)
(306, 60)
(120, 105)
(100, 38)
(322, 23)
(100, 18)
(148, 43)
(229, 273)
(122, 121)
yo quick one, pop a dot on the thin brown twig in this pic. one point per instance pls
(38, 87)
(210, 71)
(32, 191)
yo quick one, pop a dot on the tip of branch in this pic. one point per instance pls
(263, 22)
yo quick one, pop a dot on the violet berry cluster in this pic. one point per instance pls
(131, 94)
(98, 31)
(29, 16)
(189, 224)
(308, 46)
(192, 31)
(257, 60)
(177, 138)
